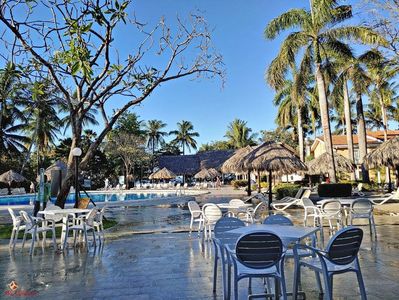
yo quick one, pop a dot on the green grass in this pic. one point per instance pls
(5, 229)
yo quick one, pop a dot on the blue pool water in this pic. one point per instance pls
(96, 197)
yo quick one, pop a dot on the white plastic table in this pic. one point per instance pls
(343, 201)
(229, 206)
(64, 212)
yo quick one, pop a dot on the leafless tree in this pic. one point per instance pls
(76, 44)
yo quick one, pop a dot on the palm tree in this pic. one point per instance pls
(319, 38)
(239, 134)
(155, 135)
(11, 139)
(43, 122)
(185, 135)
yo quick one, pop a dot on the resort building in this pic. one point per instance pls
(374, 138)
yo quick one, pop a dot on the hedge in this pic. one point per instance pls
(286, 189)
(335, 190)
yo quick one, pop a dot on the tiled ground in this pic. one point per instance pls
(171, 265)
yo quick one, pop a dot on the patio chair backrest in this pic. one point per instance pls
(236, 202)
(194, 209)
(15, 219)
(278, 220)
(211, 212)
(299, 193)
(306, 193)
(91, 216)
(100, 214)
(362, 206)
(261, 210)
(343, 247)
(331, 207)
(306, 202)
(222, 227)
(29, 221)
(259, 250)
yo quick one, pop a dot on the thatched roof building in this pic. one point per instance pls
(320, 164)
(11, 176)
(164, 173)
(192, 164)
(233, 164)
(387, 154)
(207, 174)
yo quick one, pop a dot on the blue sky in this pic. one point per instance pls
(238, 35)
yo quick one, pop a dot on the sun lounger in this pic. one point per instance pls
(393, 196)
(4, 192)
(286, 202)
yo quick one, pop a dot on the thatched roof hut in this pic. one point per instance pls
(11, 176)
(386, 154)
(163, 174)
(320, 165)
(273, 157)
(207, 174)
(192, 164)
(235, 163)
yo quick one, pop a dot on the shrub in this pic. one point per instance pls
(239, 183)
(335, 190)
(264, 185)
(286, 189)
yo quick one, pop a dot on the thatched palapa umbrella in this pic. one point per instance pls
(11, 176)
(234, 164)
(386, 154)
(162, 174)
(273, 157)
(320, 165)
(207, 174)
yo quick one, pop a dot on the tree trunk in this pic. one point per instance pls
(348, 125)
(300, 134)
(127, 177)
(325, 121)
(259, 182)
(361, 133)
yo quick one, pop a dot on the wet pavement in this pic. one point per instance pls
(166, 263)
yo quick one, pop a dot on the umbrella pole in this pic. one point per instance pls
(270, 190)
(249, 183)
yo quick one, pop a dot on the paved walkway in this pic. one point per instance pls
(168, 264)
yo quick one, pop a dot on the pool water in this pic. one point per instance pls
(96, 197)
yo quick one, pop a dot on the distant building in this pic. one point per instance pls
(340, 145)
(192, 164)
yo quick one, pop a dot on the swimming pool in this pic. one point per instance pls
(96, 197)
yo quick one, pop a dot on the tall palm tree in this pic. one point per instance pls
(155, 135)
(239, 134)
(11, 139)
(43, 122)
(319, 37)
(185, 135)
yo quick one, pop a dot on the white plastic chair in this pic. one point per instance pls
(17, 225)
(339, 257)
(363, 209)
(211, 214)
(32, 227)
(260, 212)
(287, 202)
(83, 223)
(331, 210)
(311, 210)
(196, 215)
(98, 224)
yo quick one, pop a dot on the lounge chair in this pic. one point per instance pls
(394, 195)
(286, 202)
(357, 191)
(4, 192)
(15, 191)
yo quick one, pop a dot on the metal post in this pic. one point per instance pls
(76, 181)
(270, 190)
(249, 183)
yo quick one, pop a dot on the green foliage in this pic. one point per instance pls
(239, 183)
(130, 123)
(335, 190)
(216, 145)
(286, 190)
(185, 135)
(239, 134)
(279, 135)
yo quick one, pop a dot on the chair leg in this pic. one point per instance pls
(75, 236)
(235, 287)
(374, 227)
(318, 281)
(297, 275)
(12, 238)
(24, 239)
(199, 227)
(191, 223)
(94, 237)
(361, 285)
(54, 238)
(85, 237)
(282, 283)
(15, 238)
(328, 285)
(32, 245)
(215, 270)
